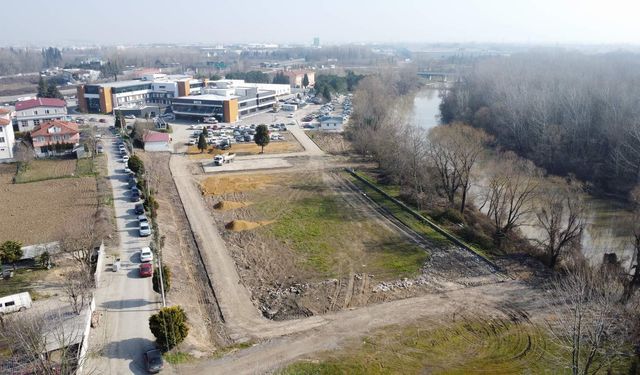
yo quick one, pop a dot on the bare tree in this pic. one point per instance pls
(81, 243)
(78, 287)
(510, 192)
(454, 151)
(561, 215)
(35, 334)
(587, 321)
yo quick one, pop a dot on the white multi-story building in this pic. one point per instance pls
(7, 139)
(151, 90)
(33, 112)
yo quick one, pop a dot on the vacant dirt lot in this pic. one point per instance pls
(303, 246)
(332, 143)
(44, 211)
(189, 286)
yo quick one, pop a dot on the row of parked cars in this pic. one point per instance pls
(152, 358)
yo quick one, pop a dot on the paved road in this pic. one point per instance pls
(125, 300)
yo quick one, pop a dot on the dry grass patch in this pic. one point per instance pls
(242, 225)
(40, 170)
(230, 205)
(233, 184)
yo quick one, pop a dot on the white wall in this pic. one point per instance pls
(6, 147)
(156, 146)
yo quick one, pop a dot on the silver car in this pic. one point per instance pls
(145, 230)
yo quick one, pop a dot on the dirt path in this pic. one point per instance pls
(490, 299)
(241, 316)
(288, 340)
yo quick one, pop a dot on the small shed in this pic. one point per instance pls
(331, 124)
(156, 141)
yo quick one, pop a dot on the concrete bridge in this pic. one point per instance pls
(438, 76)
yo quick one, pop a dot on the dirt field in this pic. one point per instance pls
(303, 248)
(44, 211)
(40, 170)
(332, 143)
(189, 286)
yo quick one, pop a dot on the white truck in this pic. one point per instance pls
(223, 158)
(15, 302)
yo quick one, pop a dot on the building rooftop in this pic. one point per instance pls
(4, 111)
(152, 136)
(4, 122)
(40, 102)
(65, 128)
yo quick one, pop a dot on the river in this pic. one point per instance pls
(609, 222)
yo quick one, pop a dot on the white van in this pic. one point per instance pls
(15, 302)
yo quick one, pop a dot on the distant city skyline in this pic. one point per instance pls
(66, 22)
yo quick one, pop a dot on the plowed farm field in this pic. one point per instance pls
(44, 211)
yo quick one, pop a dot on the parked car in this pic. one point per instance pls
(130, 117)
(145, 230)
(126, 170)
(134, 196)
(102, 120)
(143, 219)
(15, 302)
(146, 270)
(139, 209)
(153, 361)
(146, 255)
(125, 158)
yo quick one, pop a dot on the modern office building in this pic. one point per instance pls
(229, 100)
(33, 112)
(155, 90)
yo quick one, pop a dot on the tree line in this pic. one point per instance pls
(567, 112)
(593, 318)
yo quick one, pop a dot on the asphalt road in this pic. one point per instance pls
(125, 300)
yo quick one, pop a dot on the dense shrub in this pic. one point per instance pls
(169, 326)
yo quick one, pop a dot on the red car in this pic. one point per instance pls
(146, 270)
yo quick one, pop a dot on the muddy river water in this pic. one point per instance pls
(609, 222)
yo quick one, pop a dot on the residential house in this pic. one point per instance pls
(7, 139)
(33, 112)
(55, 137)
(331, 124)
(156, 141)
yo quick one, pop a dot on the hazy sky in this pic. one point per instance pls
(46, 22)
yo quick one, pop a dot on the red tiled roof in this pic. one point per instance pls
(40, 102)
(4, 111)
(4, 122)
(152, 136)
(65, 128)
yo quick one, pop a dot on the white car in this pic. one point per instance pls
(290, 115)
(146, 255)
(192, 142)
(125, 158)
(145, 230)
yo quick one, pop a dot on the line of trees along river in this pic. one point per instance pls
(609, 223)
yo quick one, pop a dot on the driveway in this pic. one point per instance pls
(125, 300)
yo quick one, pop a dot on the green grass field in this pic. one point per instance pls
(332, 238)
(405, 217)
(397, 211)
(467, 347)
